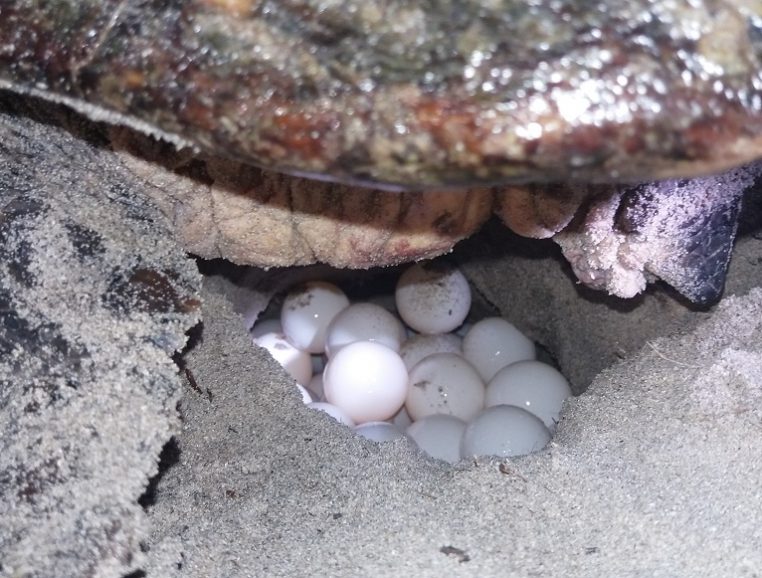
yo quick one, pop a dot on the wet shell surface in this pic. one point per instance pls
(431, 96)
(425, 93)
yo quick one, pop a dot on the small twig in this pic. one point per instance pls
(194, 384)
(192, 380)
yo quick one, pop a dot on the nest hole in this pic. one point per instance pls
(579, 331)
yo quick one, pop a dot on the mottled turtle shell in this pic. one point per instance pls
(422, 95)
(411, 93)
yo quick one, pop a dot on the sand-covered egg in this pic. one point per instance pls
(335, 412)
(296, 362)
(504, 431)
(493, 343)
(444, 383)
(307, 312)
(439, 436)
(433, 297)
(364, 322)
(379, 431)
(415, 348)
(531, 385)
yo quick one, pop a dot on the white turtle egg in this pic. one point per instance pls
(444, 383)
(493, 343)
(503, 431)
(439, 436)
(266, 326)
(316, 386)
(367, 380)
(531, 385)
(433, 297)
(295, 361)
(308, 310)
(364, 322)
(306, 395)
(420, 346)
(379, 431)
(335, 412)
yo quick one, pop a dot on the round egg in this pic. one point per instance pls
(531, 385)
(503, 431)
(364, 322)
(439, 436)
(493, 343)
(379, 431)
(433, 298)
(444, 383)
(296, 362)
(335, 412)
(308, 310)
(367, 380)
(417, 347)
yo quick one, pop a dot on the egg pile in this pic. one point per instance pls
(456, 389)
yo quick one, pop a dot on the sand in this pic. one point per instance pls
(655, 469)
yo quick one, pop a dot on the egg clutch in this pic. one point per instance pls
(410, 367)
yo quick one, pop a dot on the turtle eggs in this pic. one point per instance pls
(444, 383)
(456, 389)
(308, 310)
(503, 431)
(433, 298)
(364, 322)
(439, 436)
(494, 343)
(367, 380)
(531, 385)
(296, 362)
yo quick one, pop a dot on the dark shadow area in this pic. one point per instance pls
(170, 455)
(55, 115)
(195, 337)
(750, 217)
(495, 242)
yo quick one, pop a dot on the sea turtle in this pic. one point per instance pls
(424, 95)
(527, 102)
